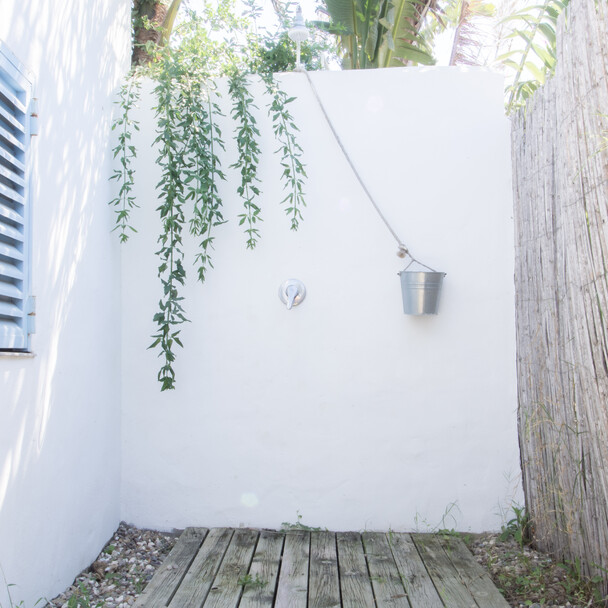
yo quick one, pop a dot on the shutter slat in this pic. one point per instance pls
(10, 214)
(12, 335)
(10, 271)
(12, 194)
(8, 251)
(11, 97)
(12, 176)
(11, 139)
(11, 120)
(8, 309)
(11, 159)
(10, 232)
(10, 290)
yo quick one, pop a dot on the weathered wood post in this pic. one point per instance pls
(560, 181)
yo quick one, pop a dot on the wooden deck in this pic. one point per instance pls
(230, 568)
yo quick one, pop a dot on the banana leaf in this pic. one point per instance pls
(343, 13)
(379, 33)
(408, 45)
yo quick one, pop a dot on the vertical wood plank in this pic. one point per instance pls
(389, 589)
(475, 578)
(164, 583)
(416, 580)
(323, 584)
(227, 588)
(450, 587)
(355, 585)
(198, 580)
(292, 590)
(264, 571)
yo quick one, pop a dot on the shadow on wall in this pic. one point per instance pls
(52, 405)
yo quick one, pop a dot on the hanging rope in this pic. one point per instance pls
(402, 250)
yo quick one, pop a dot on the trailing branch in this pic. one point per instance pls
(249, 154)
(285, 130)
(172, 159)
(202, 174)
(125, 153)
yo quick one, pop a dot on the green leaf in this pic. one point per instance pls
(344, 13)
(549, 33)
(413, 54)
(536, 72)
(547, 58)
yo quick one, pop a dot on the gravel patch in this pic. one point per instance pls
(530, 578)
(120, 572)
(527, 578)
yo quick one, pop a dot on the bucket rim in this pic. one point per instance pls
(422, 272)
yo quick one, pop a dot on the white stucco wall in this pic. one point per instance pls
(344, 409)
(59, 411)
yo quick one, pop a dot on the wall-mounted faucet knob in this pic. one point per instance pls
(292, 292)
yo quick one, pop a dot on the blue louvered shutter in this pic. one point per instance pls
(15, 93)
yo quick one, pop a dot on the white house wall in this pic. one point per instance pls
(59, 411)
(343, 410)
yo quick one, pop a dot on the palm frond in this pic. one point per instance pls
(468, 33)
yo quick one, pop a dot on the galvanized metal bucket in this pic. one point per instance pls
(421, 291)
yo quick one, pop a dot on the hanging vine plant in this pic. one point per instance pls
(191, 148)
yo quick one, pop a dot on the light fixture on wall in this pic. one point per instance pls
(298, 33)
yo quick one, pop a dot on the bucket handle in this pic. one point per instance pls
(412, 260)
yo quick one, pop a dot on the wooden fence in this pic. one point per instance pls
(560, 165)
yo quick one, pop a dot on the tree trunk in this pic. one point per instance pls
(156, 12)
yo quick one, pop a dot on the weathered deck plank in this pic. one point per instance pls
(388, 588)
(292, 590)
(227, 587)
(445, 578)
(418, 585)
(324, 584)
(196, 584)
(264, 571)
(165, 582)
(475, 578)
(354, 576)
(242, 568)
